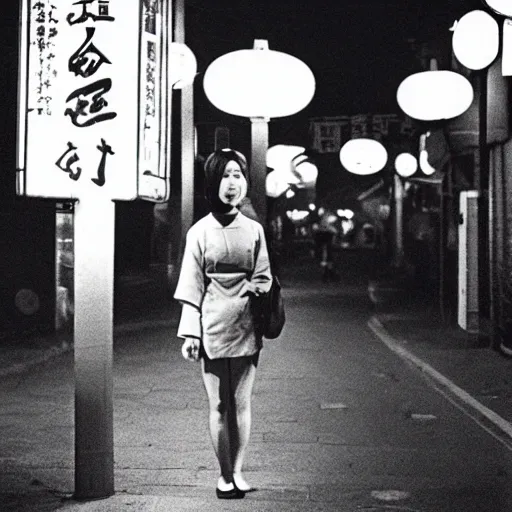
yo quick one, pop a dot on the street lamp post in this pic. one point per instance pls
(259, 143)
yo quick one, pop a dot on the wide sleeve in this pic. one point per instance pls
(191, 282)
(262, 274)
(190, 322)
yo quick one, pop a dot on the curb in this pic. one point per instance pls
(493, 423)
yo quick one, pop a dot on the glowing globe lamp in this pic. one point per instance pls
(434, 95)
(280, 156)
(259, 83)
(503, 7)
(363, 156)
(308, 174)
(183, 65)
(406, 165)
(476, 40)
(276, 184)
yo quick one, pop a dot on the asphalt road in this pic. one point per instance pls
(340, 423)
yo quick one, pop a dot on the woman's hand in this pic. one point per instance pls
(190, 349)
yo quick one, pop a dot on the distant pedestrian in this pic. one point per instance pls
(225, 263)
(324, 232)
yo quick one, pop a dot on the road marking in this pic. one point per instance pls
(390, 495)
(332, 405)
(446, 387)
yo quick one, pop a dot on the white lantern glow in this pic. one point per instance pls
(424, 163)
(363, 156)
(280, 156)
(503, 7)
(308, 174)
(183, 65)
(259, 83)
(276, 184)
(434, 95)
(406, 165)
(476, 40)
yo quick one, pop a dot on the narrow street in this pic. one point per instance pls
(340, 423)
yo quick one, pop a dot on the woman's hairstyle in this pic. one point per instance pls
(214, 170)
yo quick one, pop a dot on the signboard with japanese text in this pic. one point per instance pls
(91, 119)
(330, 133)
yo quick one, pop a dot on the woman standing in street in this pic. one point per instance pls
(225, 263)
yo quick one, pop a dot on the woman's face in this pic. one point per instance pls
(233, 185)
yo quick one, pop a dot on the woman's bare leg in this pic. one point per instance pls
(243, 373)
(216, 382)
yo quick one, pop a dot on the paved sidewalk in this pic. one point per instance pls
(413, 331)
(458, 362)
(142, 301)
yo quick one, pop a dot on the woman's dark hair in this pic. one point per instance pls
(214, 170)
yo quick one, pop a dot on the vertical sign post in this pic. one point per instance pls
(93, 129)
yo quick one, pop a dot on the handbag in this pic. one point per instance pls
(269, 311)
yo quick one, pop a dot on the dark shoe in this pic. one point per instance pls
(233, 494)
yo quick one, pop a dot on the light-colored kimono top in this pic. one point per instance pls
(217, 263)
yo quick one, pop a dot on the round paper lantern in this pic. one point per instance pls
(434, 95)
(363, 156)
(406, 165)
(259, 83)
(503, 7)
(183, 65)
(476, 40)
(308, 174)
(276, 184)
(280, 156)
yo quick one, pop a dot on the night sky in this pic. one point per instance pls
(359, 50)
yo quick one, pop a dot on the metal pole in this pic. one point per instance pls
(94, 300)
(258, 175)
(398, 196)
(187, 134)
(484, 230)
(441, 248)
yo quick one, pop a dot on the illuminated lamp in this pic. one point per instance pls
(280, 156)
(406, 165)
(503, 7)
(308, 174)
(476, 40)
(259, 84)
(183, 65)
(363, 156)
(276, 184)
(424, 163)
(434, 95)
